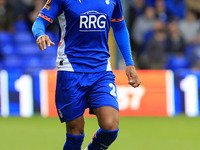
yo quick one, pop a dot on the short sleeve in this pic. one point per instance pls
(117, 15)
(51, 10)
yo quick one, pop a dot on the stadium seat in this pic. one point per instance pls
(32, 61)
(177, 62)
(6, 37)
(48, 62)
(1, 64)
(188, 50)
(28, 48)
(31, 64)
(23, 37)
(146, 38)
(150, 2)
(8, 48)
(53, 36)
(21, 25)
(12, 61)
(52, 50)
(37, 62)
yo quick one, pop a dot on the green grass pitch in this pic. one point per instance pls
(136, 133)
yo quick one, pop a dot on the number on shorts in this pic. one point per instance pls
(113, 91)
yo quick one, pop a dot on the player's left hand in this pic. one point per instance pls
(133, 78)
(43, 41)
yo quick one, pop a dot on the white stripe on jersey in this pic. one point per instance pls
(109, 66)
(61, 56)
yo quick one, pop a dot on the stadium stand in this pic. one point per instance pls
(177, 18)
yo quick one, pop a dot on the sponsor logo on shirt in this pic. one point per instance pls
(92, 21)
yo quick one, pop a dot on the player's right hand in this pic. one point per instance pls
(133, 78)
(43, 41)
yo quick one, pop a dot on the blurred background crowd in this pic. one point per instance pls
(18, 48)
(164, 34)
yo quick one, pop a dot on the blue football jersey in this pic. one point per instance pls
(84, 26)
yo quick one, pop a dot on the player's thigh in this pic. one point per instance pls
(108, 117)
(103, 101)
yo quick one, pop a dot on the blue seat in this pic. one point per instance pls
(1, 64)
(12, 61)
(48, 62)
(146, 38)
(177, 62)
(8, 48)
(188, 50)
(23, 37)
(53, 36)
(52, 50)
(6, 37)
(37, 63)
(27, 48)
(21, 25)
(150, 2)
(32, 61)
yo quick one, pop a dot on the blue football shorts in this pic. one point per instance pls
(77, 91)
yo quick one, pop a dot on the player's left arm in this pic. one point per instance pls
(50, 11)
(123, 42)
(38, 30)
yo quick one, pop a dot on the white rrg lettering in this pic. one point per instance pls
(101, 24)
(83, 21)
(92, 20)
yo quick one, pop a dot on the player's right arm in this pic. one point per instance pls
(50, 11)
(123, 41)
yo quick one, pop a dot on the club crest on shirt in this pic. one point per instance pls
(107, 2)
